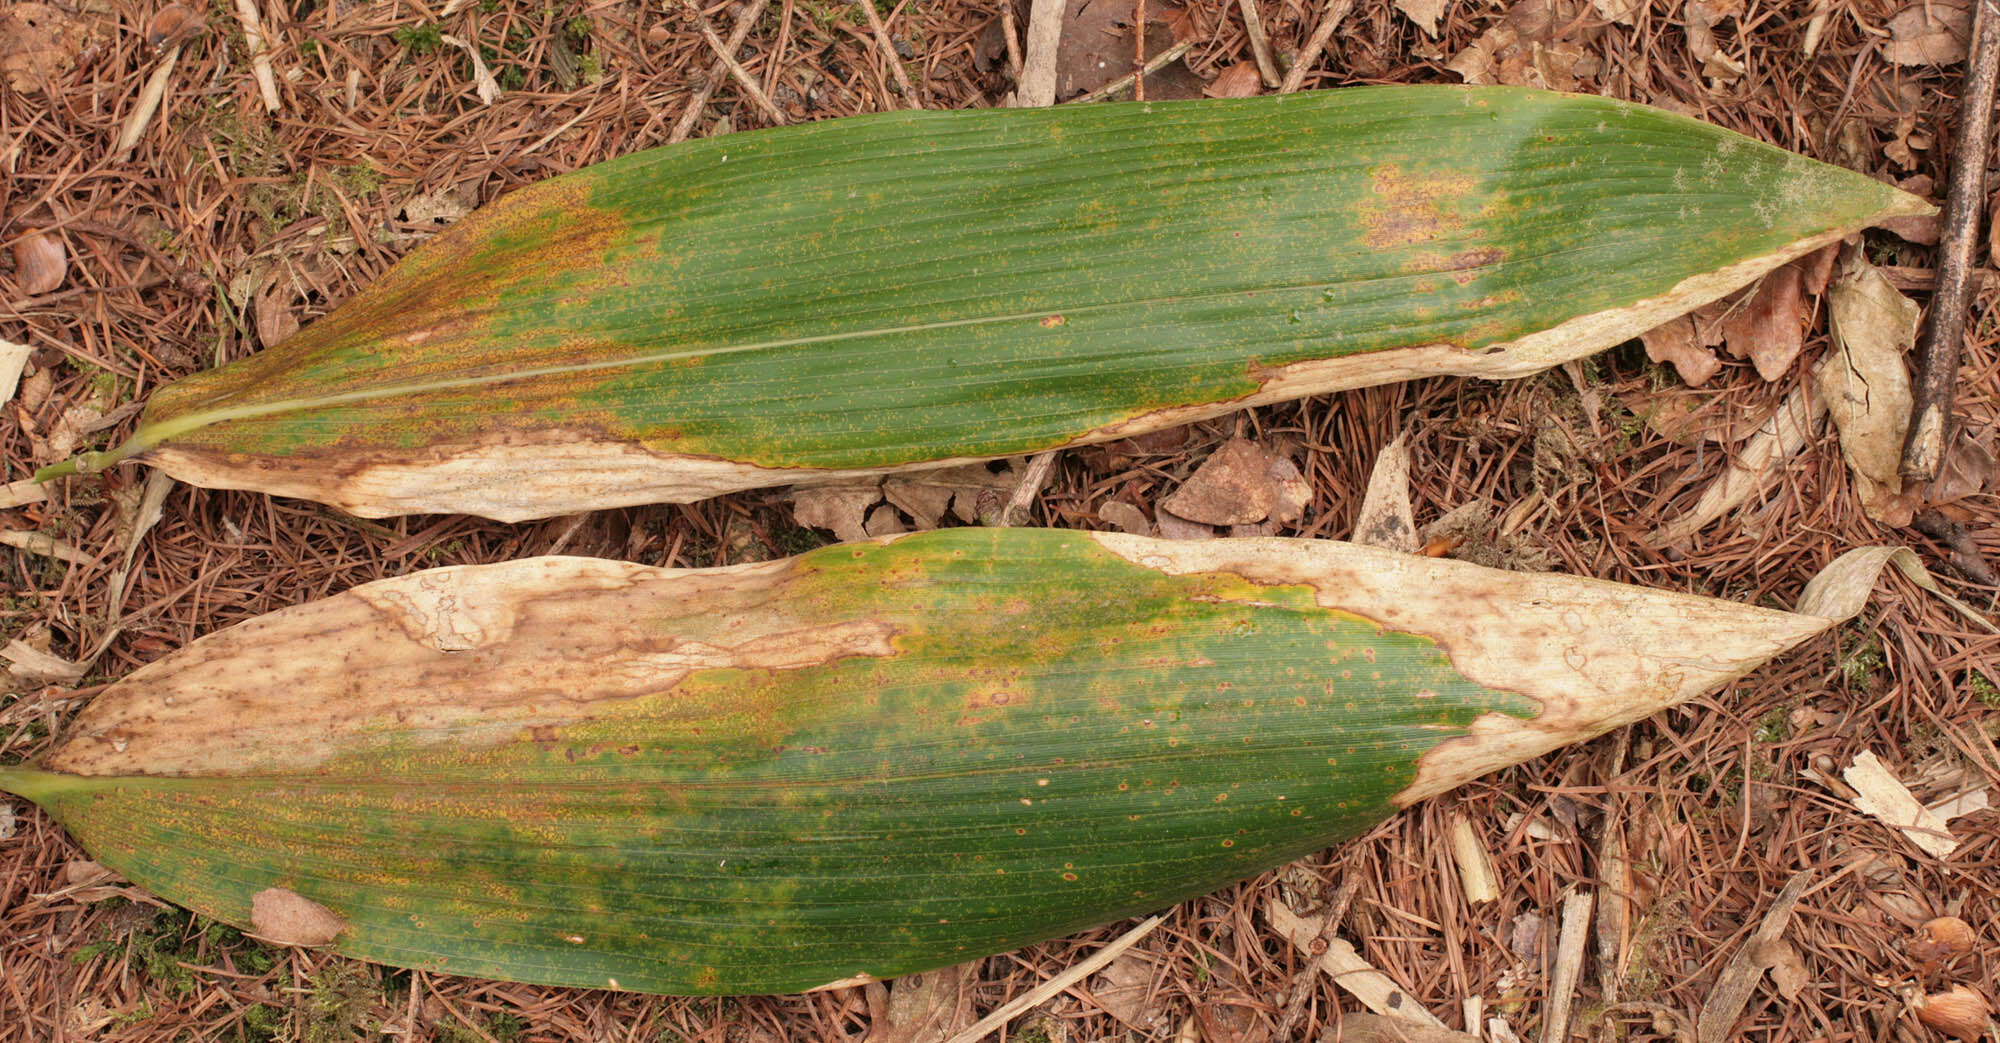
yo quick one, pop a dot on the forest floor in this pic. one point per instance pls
(225, 226)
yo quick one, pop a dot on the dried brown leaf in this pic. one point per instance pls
(840, 508)
(928, 1007)
(1177, 528)
(1769, 328)
(1929, 32)
(1867, 385)
(1423, 13)
(1124, 989)
(173, 25)
(1677, 342)
(1125, 516)
(41, 262)
(1232, 487)
(1240, 80)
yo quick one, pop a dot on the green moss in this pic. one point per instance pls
(338, 1001)
(1983, 688)
(419, 39)
(1859, 660)
(263, 1024)
(1775, 726)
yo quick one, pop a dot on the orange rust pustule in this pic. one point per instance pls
(1413, 208)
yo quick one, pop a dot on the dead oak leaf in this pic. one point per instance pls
(1769, 327)
(1929, 32)
(1867, 386)
(1240, 80)
(1423, 13)
(840, 508)
(1677, 342)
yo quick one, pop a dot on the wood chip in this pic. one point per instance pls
(1232, 487)
(32, 666)
(13, 360)
(1475, 866)
(45, 545)
(1386, 519)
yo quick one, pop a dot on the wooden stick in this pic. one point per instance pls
(1029, 487)
(1125, 82)
(716, 72)
(1937, 353)
(1569, 966)
(1260, 45)
(1139, 50)
(1336, 13)
(1038, 69)
(1475, 866)
(889, 55)
(260, 53)
(1008, 1011)
(736, 70)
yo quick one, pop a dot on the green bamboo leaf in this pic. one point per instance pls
(910, 288)
(865, 761)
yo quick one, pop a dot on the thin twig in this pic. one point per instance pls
(736, 70)
(1012, 31)
(1260, 45)
(1937, 354)
(888, 48)
(260, 52)
(744, 22)
(1125, 82)
(1012, 1008)
(1139, 51)
(1038, 69)
(1336, 13)
(1028, 488)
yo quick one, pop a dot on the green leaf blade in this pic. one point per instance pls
(871, 759)
(908, 288)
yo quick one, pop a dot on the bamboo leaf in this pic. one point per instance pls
(905, 289)
(869, 760)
